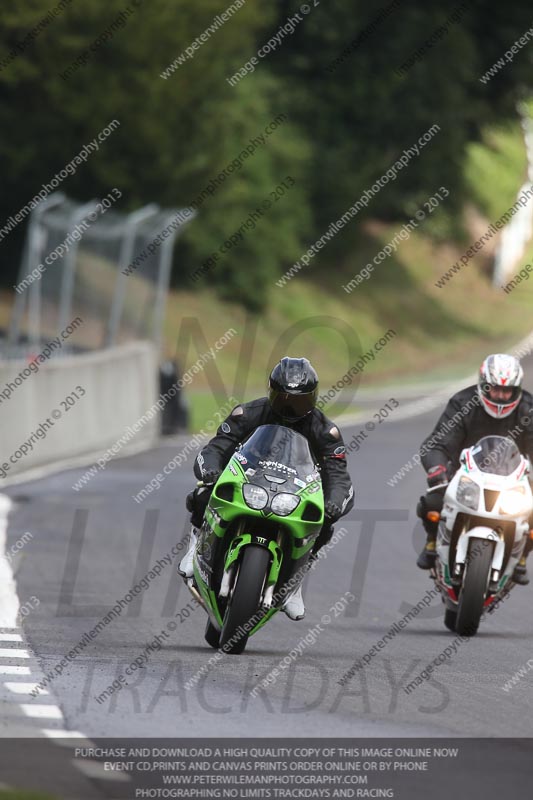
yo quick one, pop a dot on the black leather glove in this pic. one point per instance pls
(332, 510)
(210, 476)
(196, 503)
(323, 538)
(437, 475)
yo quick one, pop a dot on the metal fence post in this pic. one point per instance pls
(30, 259)
(69, 275)
(163, 282)
(126, 255)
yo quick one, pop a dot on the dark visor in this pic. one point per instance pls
(292, 406)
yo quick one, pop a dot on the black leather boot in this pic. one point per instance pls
(520, 575)
(427, 557)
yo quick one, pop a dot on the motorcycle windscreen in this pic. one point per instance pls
(279, 452)
(498, 455)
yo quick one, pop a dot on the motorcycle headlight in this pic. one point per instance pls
(254, 496)
(284, 503)
(468, 493)
(513, 502)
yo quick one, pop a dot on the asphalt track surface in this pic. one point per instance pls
(90, 547)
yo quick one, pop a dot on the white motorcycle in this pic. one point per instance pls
(482, 531)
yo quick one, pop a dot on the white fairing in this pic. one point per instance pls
(481, 532)
(466, 494)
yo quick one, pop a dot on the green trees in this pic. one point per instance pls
(343, 124)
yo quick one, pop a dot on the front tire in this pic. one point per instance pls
(450, 619)
(473, 591)
(211, 635)
(244, 602)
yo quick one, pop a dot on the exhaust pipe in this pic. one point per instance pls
(196, 594)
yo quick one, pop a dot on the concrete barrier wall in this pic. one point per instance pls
(111, 392)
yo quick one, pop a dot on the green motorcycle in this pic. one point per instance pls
(264, 514)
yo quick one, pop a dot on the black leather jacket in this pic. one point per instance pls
(465, 421)
(324, 439)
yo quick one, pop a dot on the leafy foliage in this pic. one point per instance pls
(345, 126)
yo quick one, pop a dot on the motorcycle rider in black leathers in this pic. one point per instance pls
(497, 406)
(291, 401)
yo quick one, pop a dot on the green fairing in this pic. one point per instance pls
(227, 506)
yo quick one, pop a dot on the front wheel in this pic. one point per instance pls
(474, 589)
(244, 602)
(450, 619)
(212, 635)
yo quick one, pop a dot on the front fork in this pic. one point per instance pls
(240, 541)
(481, 536)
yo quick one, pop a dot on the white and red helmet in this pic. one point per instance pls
(500, 372)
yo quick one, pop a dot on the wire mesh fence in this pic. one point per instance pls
(93, 262)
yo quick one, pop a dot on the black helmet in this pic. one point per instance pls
(293, 388)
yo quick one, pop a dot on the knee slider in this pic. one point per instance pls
(189, 502)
